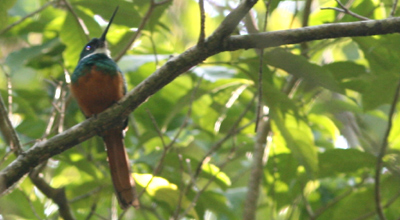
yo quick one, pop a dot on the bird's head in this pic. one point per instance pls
(98, 45)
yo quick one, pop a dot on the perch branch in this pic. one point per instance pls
(177, 65)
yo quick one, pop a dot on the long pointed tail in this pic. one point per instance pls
(121, 176)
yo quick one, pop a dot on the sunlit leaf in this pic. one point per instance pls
(299, 139)
(160, 189)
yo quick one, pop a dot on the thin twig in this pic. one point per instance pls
(345, 10)
(30, 204)
(260, 72)
(382, 151)
(306, 17)
(202, 34)
(307, 205)
(9, 92)
(57, 195)
(182, 192)
(181, 186)
(78, 20)
(63, 106)
(154, 122)
(83, 196)
(4, 158)
(26, 17)
(54, 111)
(169, 146)
(143, 23)
(152, 209)
(153, 45)
(337, 199)
(8, 130)
(92, 211)
(262, 129)
(260, 102)
(387, 205)
(218, 144)
(394, 7)
(211, 180)
(340, 16)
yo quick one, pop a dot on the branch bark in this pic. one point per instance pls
(253, 187)
(218, 42)
(311, 33)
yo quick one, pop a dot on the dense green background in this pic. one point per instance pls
(326, 131)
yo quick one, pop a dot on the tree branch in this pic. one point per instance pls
(202, 34)
(253, 187)
(319, 32)
(394, 7)
(8, 131)
(216, 43)
(382, 151)
(56, 194)
(345, 10)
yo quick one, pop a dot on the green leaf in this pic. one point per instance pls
(379, 53)
(74, 38)
(276, 99)
(126, 15)
(162, 190)
(353, 206)
(211, 170)
(336, 161)
(345, 70)
(380, 91)
(4, 6)
(217, 203)
(324, 129)
(335, 106)
(298, 138)
(18, 59)
(302, 68)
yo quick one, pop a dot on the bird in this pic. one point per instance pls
(97, 83)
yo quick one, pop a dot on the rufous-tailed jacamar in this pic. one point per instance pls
(97, 83)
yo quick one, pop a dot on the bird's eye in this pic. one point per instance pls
(88, 47)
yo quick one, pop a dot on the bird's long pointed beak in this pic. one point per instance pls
(103, 36)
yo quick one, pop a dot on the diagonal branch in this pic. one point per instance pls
(219, 41)
(41, 151)
(394, 7)
(8, 131)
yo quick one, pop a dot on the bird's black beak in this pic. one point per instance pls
(103, 36)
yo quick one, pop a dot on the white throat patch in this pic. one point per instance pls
(103, 50)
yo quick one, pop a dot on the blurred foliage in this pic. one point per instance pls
(328, 105)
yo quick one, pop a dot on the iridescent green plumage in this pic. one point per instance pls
(102, 63)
